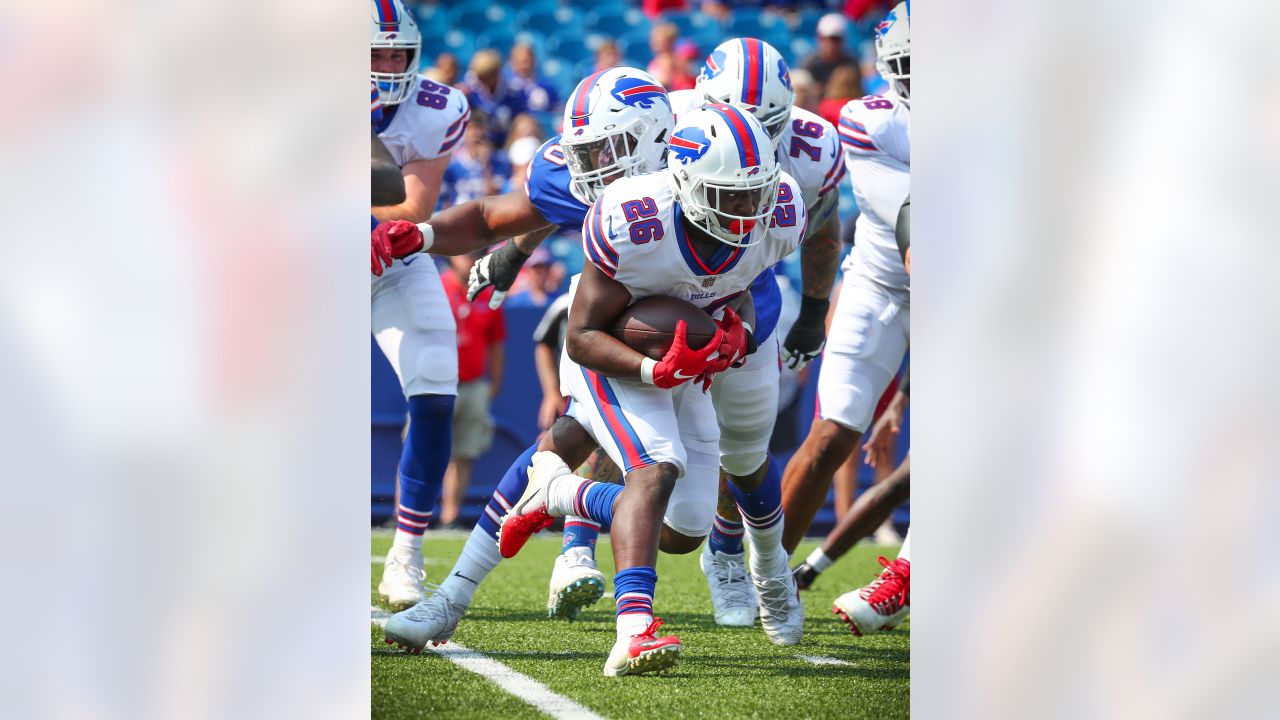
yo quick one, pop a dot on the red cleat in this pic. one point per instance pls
(881, 605)
(643, 653)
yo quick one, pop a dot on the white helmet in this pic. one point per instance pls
(724, 170)
(616, 124)
(752, 75)
(394, 27)
(893, 49)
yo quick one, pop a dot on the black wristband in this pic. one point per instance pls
(511, 247)
(813, 309)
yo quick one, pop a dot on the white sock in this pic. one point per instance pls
(767, 556)
(561, 492)
(905, 552)
(818, 560)
(633, 624)
(406, 540)
(479, 557)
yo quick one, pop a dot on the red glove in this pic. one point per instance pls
(681, 363)
(394, 239)
(732, 351)
(379, 251)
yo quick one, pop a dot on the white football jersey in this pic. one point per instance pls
(428, 124)
(875, 132)
(635, 235)
(809, 151)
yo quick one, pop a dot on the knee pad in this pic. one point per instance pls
(741, 464)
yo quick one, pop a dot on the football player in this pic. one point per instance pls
(617, 123)
(752, 75)
(870, 329)
(412, 322)
(702, 230)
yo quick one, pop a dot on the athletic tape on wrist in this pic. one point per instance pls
(646, 370)
(428, 236)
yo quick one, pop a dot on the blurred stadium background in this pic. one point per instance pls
(518, 62)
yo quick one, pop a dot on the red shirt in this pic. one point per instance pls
(478, 326)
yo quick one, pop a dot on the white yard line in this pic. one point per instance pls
(823, 660)
(520, 685)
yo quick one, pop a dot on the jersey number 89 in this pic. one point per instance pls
(433, 95)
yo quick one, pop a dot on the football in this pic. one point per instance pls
(648, 325)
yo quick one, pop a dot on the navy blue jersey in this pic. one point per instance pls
(551, 190)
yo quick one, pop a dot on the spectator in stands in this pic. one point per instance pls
(662, 43)
(808, 95)
(831, 54)
(549, 339)
(607, 55)
(489, 94)
(522, 76)
(688, 64)
(539, 281)
(522, 144)
(445, 70)
(717, 9)
(652, 8)
(845, 85)
(481, 332)
(476, 170)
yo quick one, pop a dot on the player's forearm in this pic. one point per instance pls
(819, 258)
(411, 210)
(600, 352)
(477, 224)
(548, 377)
(529, 242)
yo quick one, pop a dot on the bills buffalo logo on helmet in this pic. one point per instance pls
(638, 92)
(713, 66)
(689, 144)
(783, 75)
(887, 23)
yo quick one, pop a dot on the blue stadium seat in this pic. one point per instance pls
(635, 19)
(460, 44)
(547, 20)
(586, 6)
(801, 48)
(498, 38)
(807, 24)
(569, 46)
(477, 18)
(429, 16)
(634, 48)
(563, 75)
(607, 20)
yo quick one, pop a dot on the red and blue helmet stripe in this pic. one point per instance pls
(388, 17)
(748, 149)
(752, 71)
(580, 102)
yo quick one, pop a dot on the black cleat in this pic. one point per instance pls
(804, 575)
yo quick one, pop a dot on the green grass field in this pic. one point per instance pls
(723, 673)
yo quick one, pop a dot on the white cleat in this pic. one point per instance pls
(643, 653)
(433, 620)
(781, 612)
(402, 576)
(732, 596)
(575, 584)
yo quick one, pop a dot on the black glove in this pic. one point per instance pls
(499, 269)
(804, 575)
(808, 335)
